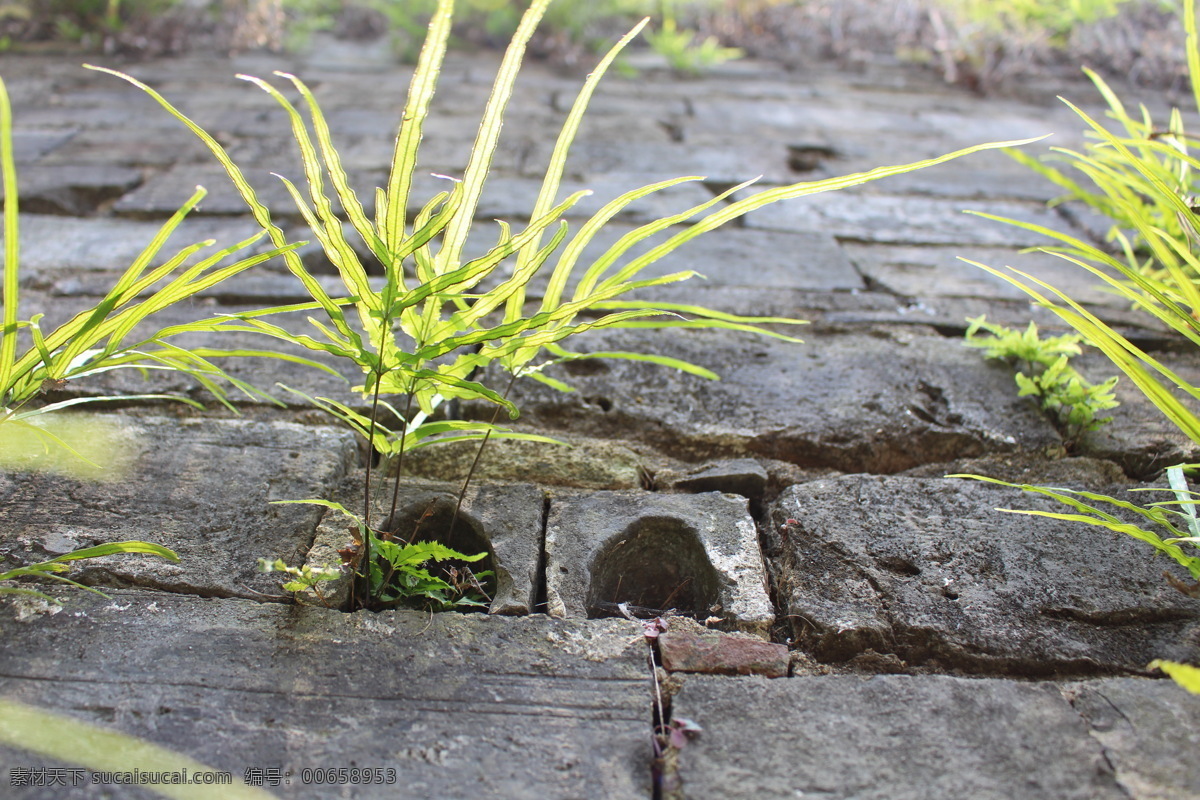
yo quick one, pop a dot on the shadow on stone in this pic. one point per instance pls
(697, 554)
(656, 563)
(435, 521)
(504, 521)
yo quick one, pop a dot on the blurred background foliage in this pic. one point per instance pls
(983, 44)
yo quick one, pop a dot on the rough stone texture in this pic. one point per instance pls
(512, 199)
(924, 569)
(261, 287)
(486, 706)
(743, 476)
(695, 553)
(165, 192)
(582, 463)
(1140, 438)
(31, 143)
(203, 488)
(888, 738)
(897, 219)
(718, 654)
(130, 148)
(76, 190)
(762, 262)
(1145, 728)
(505, 521)
(880, 400)
(933, 273)
(52, 243)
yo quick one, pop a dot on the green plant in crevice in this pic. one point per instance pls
(305, 578)
(1168, 292)
(435, 321)
(679, 47)
(397, 573)
(100, 339)
(1071, 399)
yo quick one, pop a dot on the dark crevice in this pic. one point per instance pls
(1120, 618)
(674, 130)
(664, 765)
(101, 578)
(657, 565)
(770, 551)
(805, 158)
(539, 580)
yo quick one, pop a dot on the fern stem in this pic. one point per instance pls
(478, 454)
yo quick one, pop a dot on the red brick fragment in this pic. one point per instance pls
(719, 654)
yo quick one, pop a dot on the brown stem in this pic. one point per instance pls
(478, 454)
(400, 458)
(366, 555)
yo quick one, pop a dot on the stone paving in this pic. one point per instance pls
(927, 646)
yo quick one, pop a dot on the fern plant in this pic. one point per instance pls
(438, 320)
(98, 340)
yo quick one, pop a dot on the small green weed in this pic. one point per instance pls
(680, 48)
(92, 23)
(397, 574)
(1144, 180)
(1071, 399)
(302, 579)
(1057, 18)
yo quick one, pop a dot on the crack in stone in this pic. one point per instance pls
(1072, 699)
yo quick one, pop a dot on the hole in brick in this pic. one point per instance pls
(657, 564)
(603, 403)
(429, 521)
(900, 566)
(809, 157)
(586, 366)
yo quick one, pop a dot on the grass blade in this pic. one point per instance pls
(488, 137)
(390, 215)
(11, 298)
